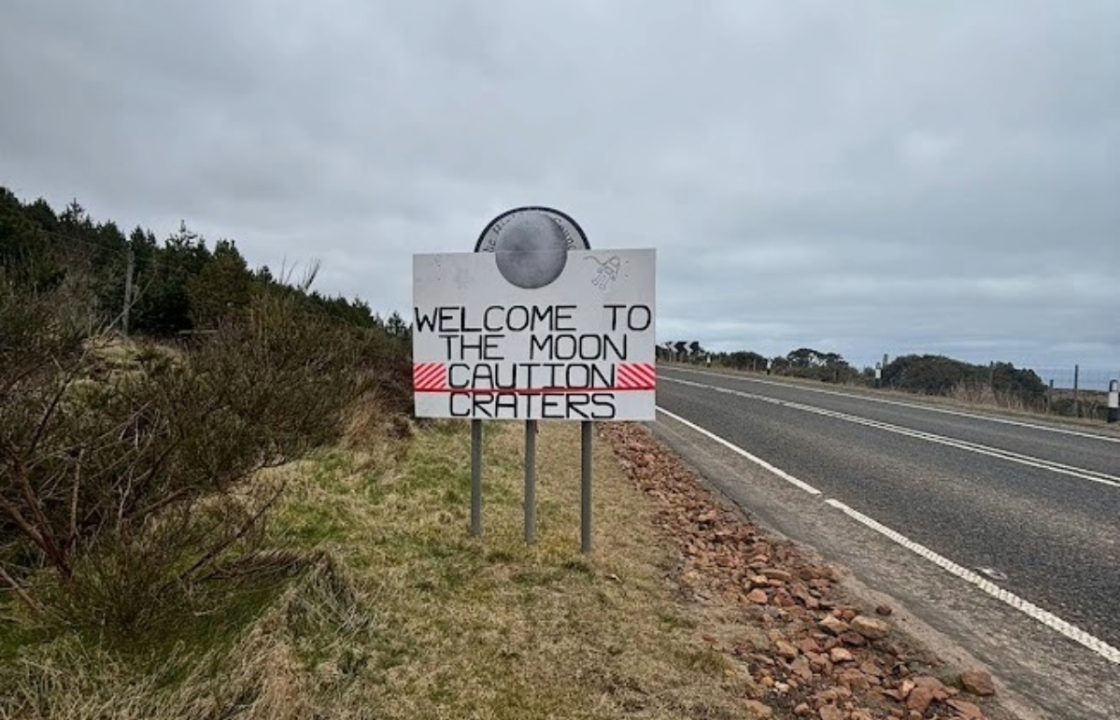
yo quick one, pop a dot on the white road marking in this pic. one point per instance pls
(1028, 460)
(740, 451)
(1026, 607)
(902, 403)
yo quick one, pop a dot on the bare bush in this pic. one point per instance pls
(128, 477)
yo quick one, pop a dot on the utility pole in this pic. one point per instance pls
(128, 289)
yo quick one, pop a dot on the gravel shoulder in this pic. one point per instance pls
(815, 644)
(1038, 673)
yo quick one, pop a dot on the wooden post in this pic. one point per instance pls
(1076, 391)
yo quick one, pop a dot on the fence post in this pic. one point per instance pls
(1076, 391)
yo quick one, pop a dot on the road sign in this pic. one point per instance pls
(535, 332)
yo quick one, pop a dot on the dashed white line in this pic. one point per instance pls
(1028, 460)
(1012, 600)
(740, 451)
(1026, 607)
(901, 403)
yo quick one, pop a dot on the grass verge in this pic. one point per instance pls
(380, 605)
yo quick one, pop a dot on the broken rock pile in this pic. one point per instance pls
(810, 652)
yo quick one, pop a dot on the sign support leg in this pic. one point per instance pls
(530, 482)
(476, 478)
(585, 487)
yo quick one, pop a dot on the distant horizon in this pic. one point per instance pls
(1091, 377)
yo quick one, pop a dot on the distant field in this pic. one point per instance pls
(1093, 403)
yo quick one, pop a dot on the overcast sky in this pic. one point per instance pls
(859, 177)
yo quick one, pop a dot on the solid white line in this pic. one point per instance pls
(1028, 460)
(1024, 606)
(736, 449)
(901, 403)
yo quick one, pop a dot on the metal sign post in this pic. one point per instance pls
(534, 325)
(530, 482)
(476, 478)
(585, 430)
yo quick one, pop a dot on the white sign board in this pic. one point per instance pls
(579, 348)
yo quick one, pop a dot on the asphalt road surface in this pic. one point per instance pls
(1001, 534)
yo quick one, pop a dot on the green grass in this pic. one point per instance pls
(15, 634)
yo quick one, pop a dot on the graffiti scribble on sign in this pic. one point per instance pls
(607, 272)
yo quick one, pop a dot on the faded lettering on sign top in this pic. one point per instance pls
(579, 348)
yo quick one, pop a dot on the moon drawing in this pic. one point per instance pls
(531, 250)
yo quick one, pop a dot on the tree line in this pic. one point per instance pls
(177, 286)
(924, 374)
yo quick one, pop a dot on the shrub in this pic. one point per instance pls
(123, 467)
(939, 375)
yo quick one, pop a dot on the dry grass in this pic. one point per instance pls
(400, 614)
(982, 395)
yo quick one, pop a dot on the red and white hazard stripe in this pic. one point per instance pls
(429, 376)
(636, 376)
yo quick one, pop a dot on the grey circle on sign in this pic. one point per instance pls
(531, 245)
(531, 251)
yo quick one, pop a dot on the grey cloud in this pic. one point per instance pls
(868, 177)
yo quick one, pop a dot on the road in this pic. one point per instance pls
(1001, 535)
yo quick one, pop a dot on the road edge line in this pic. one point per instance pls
(1026, 607)
(800, 484)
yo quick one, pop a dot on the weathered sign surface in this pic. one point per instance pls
(579, 347)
